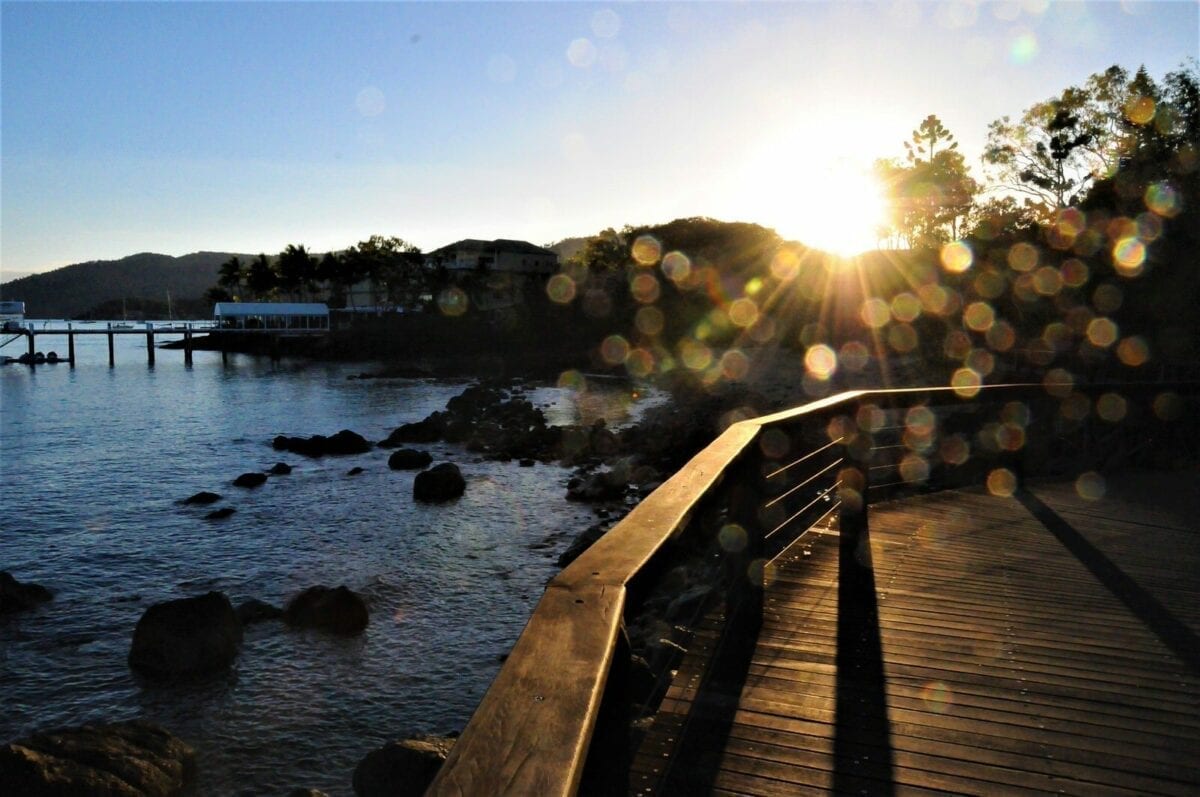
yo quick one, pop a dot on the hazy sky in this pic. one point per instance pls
(247, 126)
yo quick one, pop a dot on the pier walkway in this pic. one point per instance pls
(1033, 644)
(913, 591)
(185, 330)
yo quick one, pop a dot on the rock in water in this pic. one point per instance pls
(125, 759)
(250, 480)
(220, 514)
(439, 483)
(280, 469)
(401, 769)
(604, 486)
(256, 611)
(344, 442)
(202, 497)
(409, 459)
(15, 596)
(188, 636)
(340, 610)
(354, 471)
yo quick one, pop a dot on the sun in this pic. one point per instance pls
(833, 204)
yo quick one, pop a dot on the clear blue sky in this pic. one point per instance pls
(176, 127)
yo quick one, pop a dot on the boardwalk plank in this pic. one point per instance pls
(1009, 665)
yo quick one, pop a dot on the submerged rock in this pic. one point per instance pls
(409, 459)
(280, 469)
(256, 611)
(124, 759)
(15, 596)
(188, 636)
(354, 471)
(202, 497)
(582, 543)
(220, 514)
(440, 483)
(250, 480)
(401, 769)
(338, 610)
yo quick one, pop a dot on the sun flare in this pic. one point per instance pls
(833, 204)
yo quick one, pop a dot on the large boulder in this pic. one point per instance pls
(125, 759)
(409, 459)
(15, 596)
(342, 443)
(401, 769)
(188, 636)
(427, 431)
(440, 483)
(337, 610)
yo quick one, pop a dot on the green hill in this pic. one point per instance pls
(140, 281)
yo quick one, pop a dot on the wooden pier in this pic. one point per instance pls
(909, 606)
(1029, 644)
(188, 330)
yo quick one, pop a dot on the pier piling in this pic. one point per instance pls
(112, 361)
(187, 345)
(70, 346)
(149, 345)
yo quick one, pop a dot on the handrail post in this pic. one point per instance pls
(745, 554)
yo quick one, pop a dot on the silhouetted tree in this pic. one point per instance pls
(261, 279)
(930, 195)
(231, 275)
(297, 270)
(394, 267)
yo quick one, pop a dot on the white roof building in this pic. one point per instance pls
(271, 315)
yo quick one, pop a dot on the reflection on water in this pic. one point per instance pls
(95, 461)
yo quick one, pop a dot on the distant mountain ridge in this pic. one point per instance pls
(143, 280)
(71, 291)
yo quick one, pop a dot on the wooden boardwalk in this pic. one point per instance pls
(1034, 644)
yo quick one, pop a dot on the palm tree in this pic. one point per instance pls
(296, 269)
(233, 271)
(261, 279)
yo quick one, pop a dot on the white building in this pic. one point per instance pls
(283, 316)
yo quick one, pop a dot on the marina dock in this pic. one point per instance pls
(153, 332)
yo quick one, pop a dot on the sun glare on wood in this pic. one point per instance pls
(832, 204)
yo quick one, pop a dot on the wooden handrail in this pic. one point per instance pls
(532, 730)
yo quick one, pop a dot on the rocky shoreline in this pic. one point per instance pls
(494, 419)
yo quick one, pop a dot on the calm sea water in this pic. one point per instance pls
(93, 463)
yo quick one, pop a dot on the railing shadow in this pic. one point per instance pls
(862, 748)
(1172, 631)
(696, 761)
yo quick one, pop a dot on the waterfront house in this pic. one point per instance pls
(494, 274)
(502, 256)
